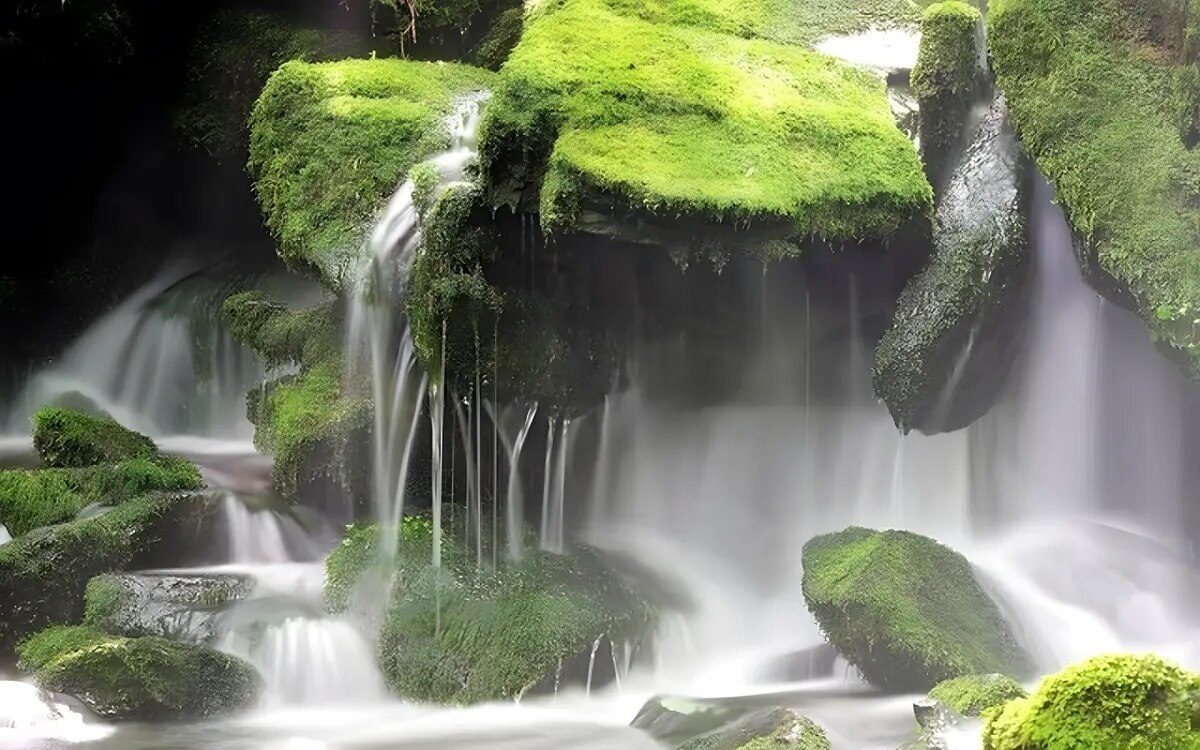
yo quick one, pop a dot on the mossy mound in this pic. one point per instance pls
(769, 729)
(1100, 95)
(461, 635)
(971, 695)
(945, 77)
(1120, 701)
(905, 610)
(30, 498)
(660, 110)
(66, 437)
(229, 63)
(329, 142)
(144, 679)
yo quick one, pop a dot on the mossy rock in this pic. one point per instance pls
(31, 498)
(456, 634)
(1119, 701)
(957, 326)
(495, 47)
(673, 110)
(44, 573)
(145, 679)
(906, 611)
(329, 142)
(945, 77)
(768, 729)
(177, 607)
(1096, 92)
(971, 695)
(65, 438)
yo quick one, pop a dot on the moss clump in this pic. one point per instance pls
(65, 437)
(104, 597)
(1119, 701)
(944, 76)
(971, 695)
(770, 729)
(1091, 87)
(329, 142)
(905, 610)
(41, 497)
(139, 678)
(599, 105)
(495, 47)
(231, 60)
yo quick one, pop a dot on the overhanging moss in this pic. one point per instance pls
(329, 142)
(1095, 91)
(598, 103)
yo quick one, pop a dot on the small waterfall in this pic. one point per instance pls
(263, 536)
(548, 484)
(514, 517)
(592, 664)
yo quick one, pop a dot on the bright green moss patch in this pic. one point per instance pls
(1106, 702)
(1092, 88)
(601, 106)
(139, 678)
(65, 437)
(41, 497)
(329, 142)
(905, 610)
(971, 695)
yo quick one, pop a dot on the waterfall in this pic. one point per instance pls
(263, 536)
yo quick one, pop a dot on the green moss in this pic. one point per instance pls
(41, 497)
(329, 142)
(139, 678)
(599, 103)
(971, 695)
(1089, 84)
(502, 37)
(944, 76)
(769, 729)
(905, 610)
(1119, 701)
(103, 599)
(230, 62)
(65, 437)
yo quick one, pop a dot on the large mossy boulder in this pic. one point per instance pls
(768, 729)
(329, 142)
(185, 608)
(956, 329)
(716, 115)
(971, 695)
(1120, 701)
(1103, 95)
(66, 438)
(906, 611)
(460, 634)
(144, 679)
(945, 78)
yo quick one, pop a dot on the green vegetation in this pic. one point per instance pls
(103, 599)
(769, 729)
(498, 43)
(971, 695)
(1107, 702)
(905, 610)
(1100, 95)
(41, 497)
(329, 142)
(945, 73)
(139, 678)
(65, 437)
(632, 109)
(228, 66)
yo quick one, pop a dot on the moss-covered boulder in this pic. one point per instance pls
(957, 326)
(768, 729)
(495, 47)
(179, 607)
(1120, 701)
(459, 634)
(329, 142)
(906, 611)
(1099, 93)
(971, 695)
(710, 113)
(945, 78)
(146, 679)
(66, 437)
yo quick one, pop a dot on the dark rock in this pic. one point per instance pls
(181, 608)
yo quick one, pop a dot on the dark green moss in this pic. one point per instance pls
(945, 75)
(498, 43)
(1119, 701)
(143, 679)
(65, 437)
(329, 142)
(41, 497)
(971, 695)
(905, 610)
(1090, 84)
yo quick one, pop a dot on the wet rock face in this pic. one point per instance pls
(937, 720)
(957, 327)
(705, 724)
(181, 608)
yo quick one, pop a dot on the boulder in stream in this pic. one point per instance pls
(971, 695)
(906, 611)
(767, 729)
(185, 608)
(65, 437)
